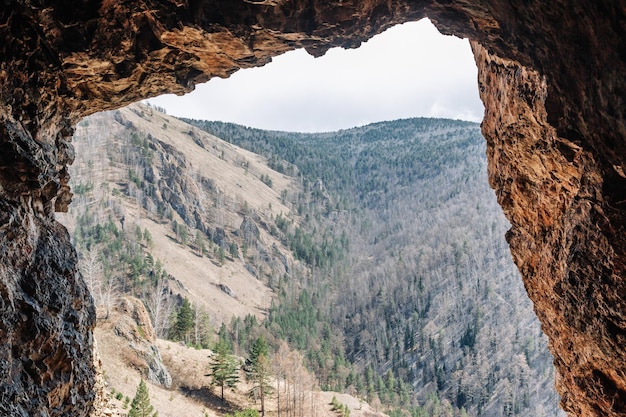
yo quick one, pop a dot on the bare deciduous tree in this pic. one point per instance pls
(105, 292)
(110, 295)
(92, 273)
(160, 306)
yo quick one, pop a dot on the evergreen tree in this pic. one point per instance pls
(225, 338)
(258, 348)
(369, 383)
(184, 321)
(147, 237)
(140, 407)
(258, 370)
(184, 235)
(138, 233)
(234, 250)
(248, 412)
(223, 367)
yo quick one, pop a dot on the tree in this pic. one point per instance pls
(279, 364)
(258, 371)
(91, 267)
(147, 237)
(259, 348)
(140, 407)
(184, 321)
(202, 329)
(224, 370)
(138, 233)
(199, 242)
(109, 295)
(175, 228)
(234, 250)
(248, 412)
(221, 255)
(160, 306)
(224, 337)
(184, 235)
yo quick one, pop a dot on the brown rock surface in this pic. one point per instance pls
(549, 187)
(127, 337)
(554, 125)
(103, 405)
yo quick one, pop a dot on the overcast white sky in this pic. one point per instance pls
(410, 70)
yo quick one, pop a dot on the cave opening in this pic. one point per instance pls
(526, 346)
(551, 80)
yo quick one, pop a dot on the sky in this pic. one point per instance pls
(410, 70)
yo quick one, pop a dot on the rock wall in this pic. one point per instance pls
(548, 186)
(551, 77)
(46, 316)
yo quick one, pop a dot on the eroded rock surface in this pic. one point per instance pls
(549, 186)
(551, 77)
(127, 336)
(46, 316)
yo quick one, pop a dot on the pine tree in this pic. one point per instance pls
(147, 237)
(184, 321)
(258, 370)
(234, 250)
(140, 407)
(138, 232)
(223, 368)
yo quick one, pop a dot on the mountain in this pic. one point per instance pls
(195, 196)
(429, 294)
(176, 217)
(377, 252)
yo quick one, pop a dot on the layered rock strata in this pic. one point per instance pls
(551, 77)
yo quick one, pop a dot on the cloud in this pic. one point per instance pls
(408, 71)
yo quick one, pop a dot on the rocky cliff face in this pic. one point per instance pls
(46, 316)
(562, 237)
(552, 81)
(127, 334)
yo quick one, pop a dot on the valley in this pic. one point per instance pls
(377, 253)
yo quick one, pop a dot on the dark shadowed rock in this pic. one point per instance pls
(46, 319)
(249, 230)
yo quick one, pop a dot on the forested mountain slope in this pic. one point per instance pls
(157, 201)
(377, 252)
(180, 220)
(426, 302)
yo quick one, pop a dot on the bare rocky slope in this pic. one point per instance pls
(152, 190)
(193, 194)
(551, 78)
